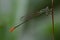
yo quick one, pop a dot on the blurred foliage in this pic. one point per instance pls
(39, 27)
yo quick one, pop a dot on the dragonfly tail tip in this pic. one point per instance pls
(12, 29)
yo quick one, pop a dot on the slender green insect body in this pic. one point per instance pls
(27, 18)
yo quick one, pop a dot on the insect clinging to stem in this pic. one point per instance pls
(42, 11)
(46, 11)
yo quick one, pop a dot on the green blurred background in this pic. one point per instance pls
(39, 28)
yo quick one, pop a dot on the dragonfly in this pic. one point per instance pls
(46, 11)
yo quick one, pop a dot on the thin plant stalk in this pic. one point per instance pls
(52, 19)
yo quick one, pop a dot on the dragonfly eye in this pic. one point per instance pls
(46, 11)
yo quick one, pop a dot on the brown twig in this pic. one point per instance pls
(52, 19)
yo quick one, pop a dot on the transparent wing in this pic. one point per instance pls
(29, 17)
